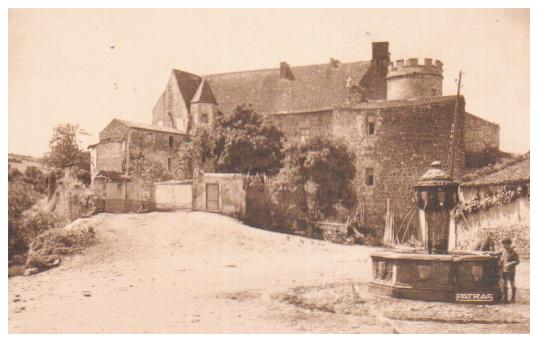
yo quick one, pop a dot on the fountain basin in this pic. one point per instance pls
(454, 277)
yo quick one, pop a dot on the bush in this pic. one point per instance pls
(20, 199)
(52, 244)
(36, 221)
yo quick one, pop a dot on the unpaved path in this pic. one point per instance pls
(200, 272)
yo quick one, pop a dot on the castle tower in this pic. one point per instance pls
(413, 80)
(203, 109)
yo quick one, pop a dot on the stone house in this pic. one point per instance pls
(393, 114)
(123, 143)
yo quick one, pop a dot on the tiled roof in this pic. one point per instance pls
(149, 127)
(313, 88)
(514, 174)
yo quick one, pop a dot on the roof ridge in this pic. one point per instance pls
(277, 68)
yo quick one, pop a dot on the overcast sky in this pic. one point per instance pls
(89, 66)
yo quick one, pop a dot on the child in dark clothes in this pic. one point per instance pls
(508, 262)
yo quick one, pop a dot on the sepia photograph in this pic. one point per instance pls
(268, 170)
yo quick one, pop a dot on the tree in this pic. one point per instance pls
(64, 146)
(247, 143)
(242, 142)
(197, 152)
(316, 177)
(36, 178)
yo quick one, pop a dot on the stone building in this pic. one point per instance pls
(393, 114)
(122, 143)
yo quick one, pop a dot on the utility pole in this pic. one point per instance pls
(454, 125)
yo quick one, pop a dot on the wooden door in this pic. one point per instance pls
(212, 196)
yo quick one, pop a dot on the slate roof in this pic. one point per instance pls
(314, 88)
(204, 94)
(514, 174)
(149, 127)
(413, 102)
(188, 84)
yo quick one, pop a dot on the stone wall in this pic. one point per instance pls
(109, 156)
(408, 136)
(232, 192)
(509, 220)
(303, 124)
(170, 109)
(481, 141)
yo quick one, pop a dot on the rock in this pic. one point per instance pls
(86, 293)
(30, 271)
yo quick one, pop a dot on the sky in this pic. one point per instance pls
(91, 65)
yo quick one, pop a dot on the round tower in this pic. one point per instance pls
(413, 80)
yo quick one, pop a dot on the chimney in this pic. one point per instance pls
(380, 54)
(285, 71)
(334, 63)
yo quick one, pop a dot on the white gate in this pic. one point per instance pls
(173, 195)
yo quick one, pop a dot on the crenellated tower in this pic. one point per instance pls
(409, 79)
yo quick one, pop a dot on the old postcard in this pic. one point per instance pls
(269, 171)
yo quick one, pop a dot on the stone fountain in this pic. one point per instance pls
(434, 273)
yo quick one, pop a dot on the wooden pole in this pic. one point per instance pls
(454, 125)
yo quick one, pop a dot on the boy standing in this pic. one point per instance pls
(509, 261)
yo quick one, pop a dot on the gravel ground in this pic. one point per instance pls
(180, 272)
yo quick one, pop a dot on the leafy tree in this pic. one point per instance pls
(20, 199)
(247, 143)
(197, 152)
(317, 176)
(242, 142)
(64, 146)
(36, 178)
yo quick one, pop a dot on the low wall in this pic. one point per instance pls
(231, 192)
(173, 195)
(508, 220)
(122, 196)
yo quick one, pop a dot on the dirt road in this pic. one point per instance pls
(200, 272)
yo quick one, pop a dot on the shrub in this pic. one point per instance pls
(20, 199)
(34, 222)
(49, 246)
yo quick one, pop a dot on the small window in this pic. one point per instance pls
(371, 124)
(369, 176)
(204, 118)
(171, 141)
(169, 164)
(305, 134)
(434, 92)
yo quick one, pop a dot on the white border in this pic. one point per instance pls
(258, 4)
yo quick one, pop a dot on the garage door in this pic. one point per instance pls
(212, 196)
